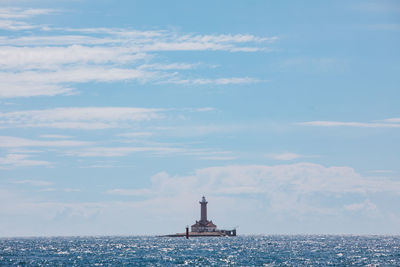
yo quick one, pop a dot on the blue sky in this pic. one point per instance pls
(117, 116)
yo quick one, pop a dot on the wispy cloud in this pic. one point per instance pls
(87, 118)
(50, 57)
(135, 134)
(20, 13)
(173, 66)
(57, 40)
(389, 123)
(12, 142)
(395, 120)
(217, 158)
(21, 160)
(150, 148)
(219, 81)
(205, 129)
(33, 182)
(55, 136)
(50, 63)
(14, 25)
(205, 109)
(29, 83)
(124, 151)
(13, 18)
(148, 41)
(51, 83)
(93, 118)
(18, 89)
(284, 156)
(365, 205)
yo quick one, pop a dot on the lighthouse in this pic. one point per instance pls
(203, 210)
(203, 225)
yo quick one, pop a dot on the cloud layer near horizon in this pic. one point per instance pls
(300, 190)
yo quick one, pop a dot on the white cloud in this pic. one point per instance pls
(49, 63)
(173, 66)
(206, 154)
(383, 124)
(50, 82)
(219, 157)
(219, 81)
(149, 41)
(59, 40)
(198, 130)
(284, 156)
(21, 160)
(55, 136)
(101, 166)
(253, 195)
(135, 134)
(19, 13)
(205, 109)
(234, 80)
(19, 150)
(47, 70)
(227, 38)
(33, 182)
(12, 18)
(50, 57)
(155, 149)
(124, 151)
(79, 118)
(15, 25)
(283, 198)
(365, 205)
(171, 41)
(395, 120)
(294, 185)
(25, 89)
(10, 142)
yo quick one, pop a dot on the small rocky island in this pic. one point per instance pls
(204, 227)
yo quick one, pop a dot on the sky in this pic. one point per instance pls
(116, 117)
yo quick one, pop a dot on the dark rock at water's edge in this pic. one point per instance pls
(218, 233)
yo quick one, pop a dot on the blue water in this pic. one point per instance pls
(201, 251)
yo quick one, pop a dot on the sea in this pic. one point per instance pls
(274, 250)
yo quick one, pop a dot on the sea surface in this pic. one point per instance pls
(276, 250)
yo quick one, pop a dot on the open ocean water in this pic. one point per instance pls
(276, 250)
